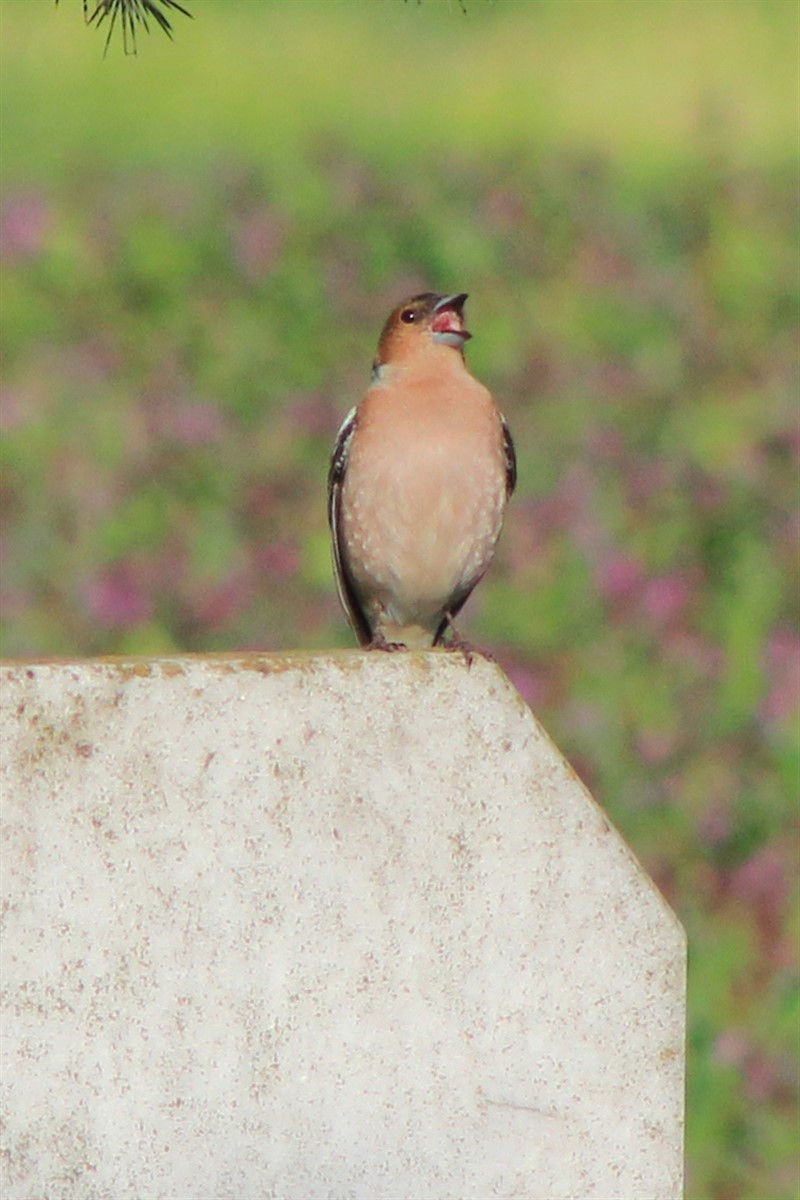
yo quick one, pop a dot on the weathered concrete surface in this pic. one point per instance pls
(335, 926)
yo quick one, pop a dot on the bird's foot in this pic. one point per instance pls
(460, 645)
(379, 642)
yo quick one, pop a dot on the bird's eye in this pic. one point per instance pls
(408, 316)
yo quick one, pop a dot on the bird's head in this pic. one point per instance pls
(423, 323)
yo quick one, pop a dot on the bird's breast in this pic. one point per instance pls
(424, 493)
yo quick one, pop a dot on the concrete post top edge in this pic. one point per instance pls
(265, 663)
(259, 659)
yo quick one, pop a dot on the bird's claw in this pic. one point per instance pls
(380, 643)
(460, 645)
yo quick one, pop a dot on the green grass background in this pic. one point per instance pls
(199, 247)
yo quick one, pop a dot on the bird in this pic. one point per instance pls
(418, 483)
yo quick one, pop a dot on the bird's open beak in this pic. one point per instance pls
(448, 317)
(455, 302)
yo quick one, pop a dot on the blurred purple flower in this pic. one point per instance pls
(716, 824)
(761, 880)
(92, 360)
(646, 479)
(732, 1047)
(216, 605)
(560, 510)
(762, 885)
(196, 424)
(689, 649)
(665, 597)
(18, 407)
(602, 263)
(764, 1077)
(505, 208)
(620, 577)
(278, 560)
(25, 222)
(530, 685)
(783, 671)
(655, 746)
(607, 444)
(257, 243)
(316, 414)
(613, 378)
(116, 598)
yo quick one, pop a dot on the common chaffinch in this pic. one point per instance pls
(418, 483)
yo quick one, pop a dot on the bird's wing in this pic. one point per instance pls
(344, 581)
(510, 457)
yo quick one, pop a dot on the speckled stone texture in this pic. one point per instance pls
(305, 927)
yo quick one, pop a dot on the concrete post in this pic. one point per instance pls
(329, 926)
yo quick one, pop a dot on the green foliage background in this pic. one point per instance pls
(199, 247)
